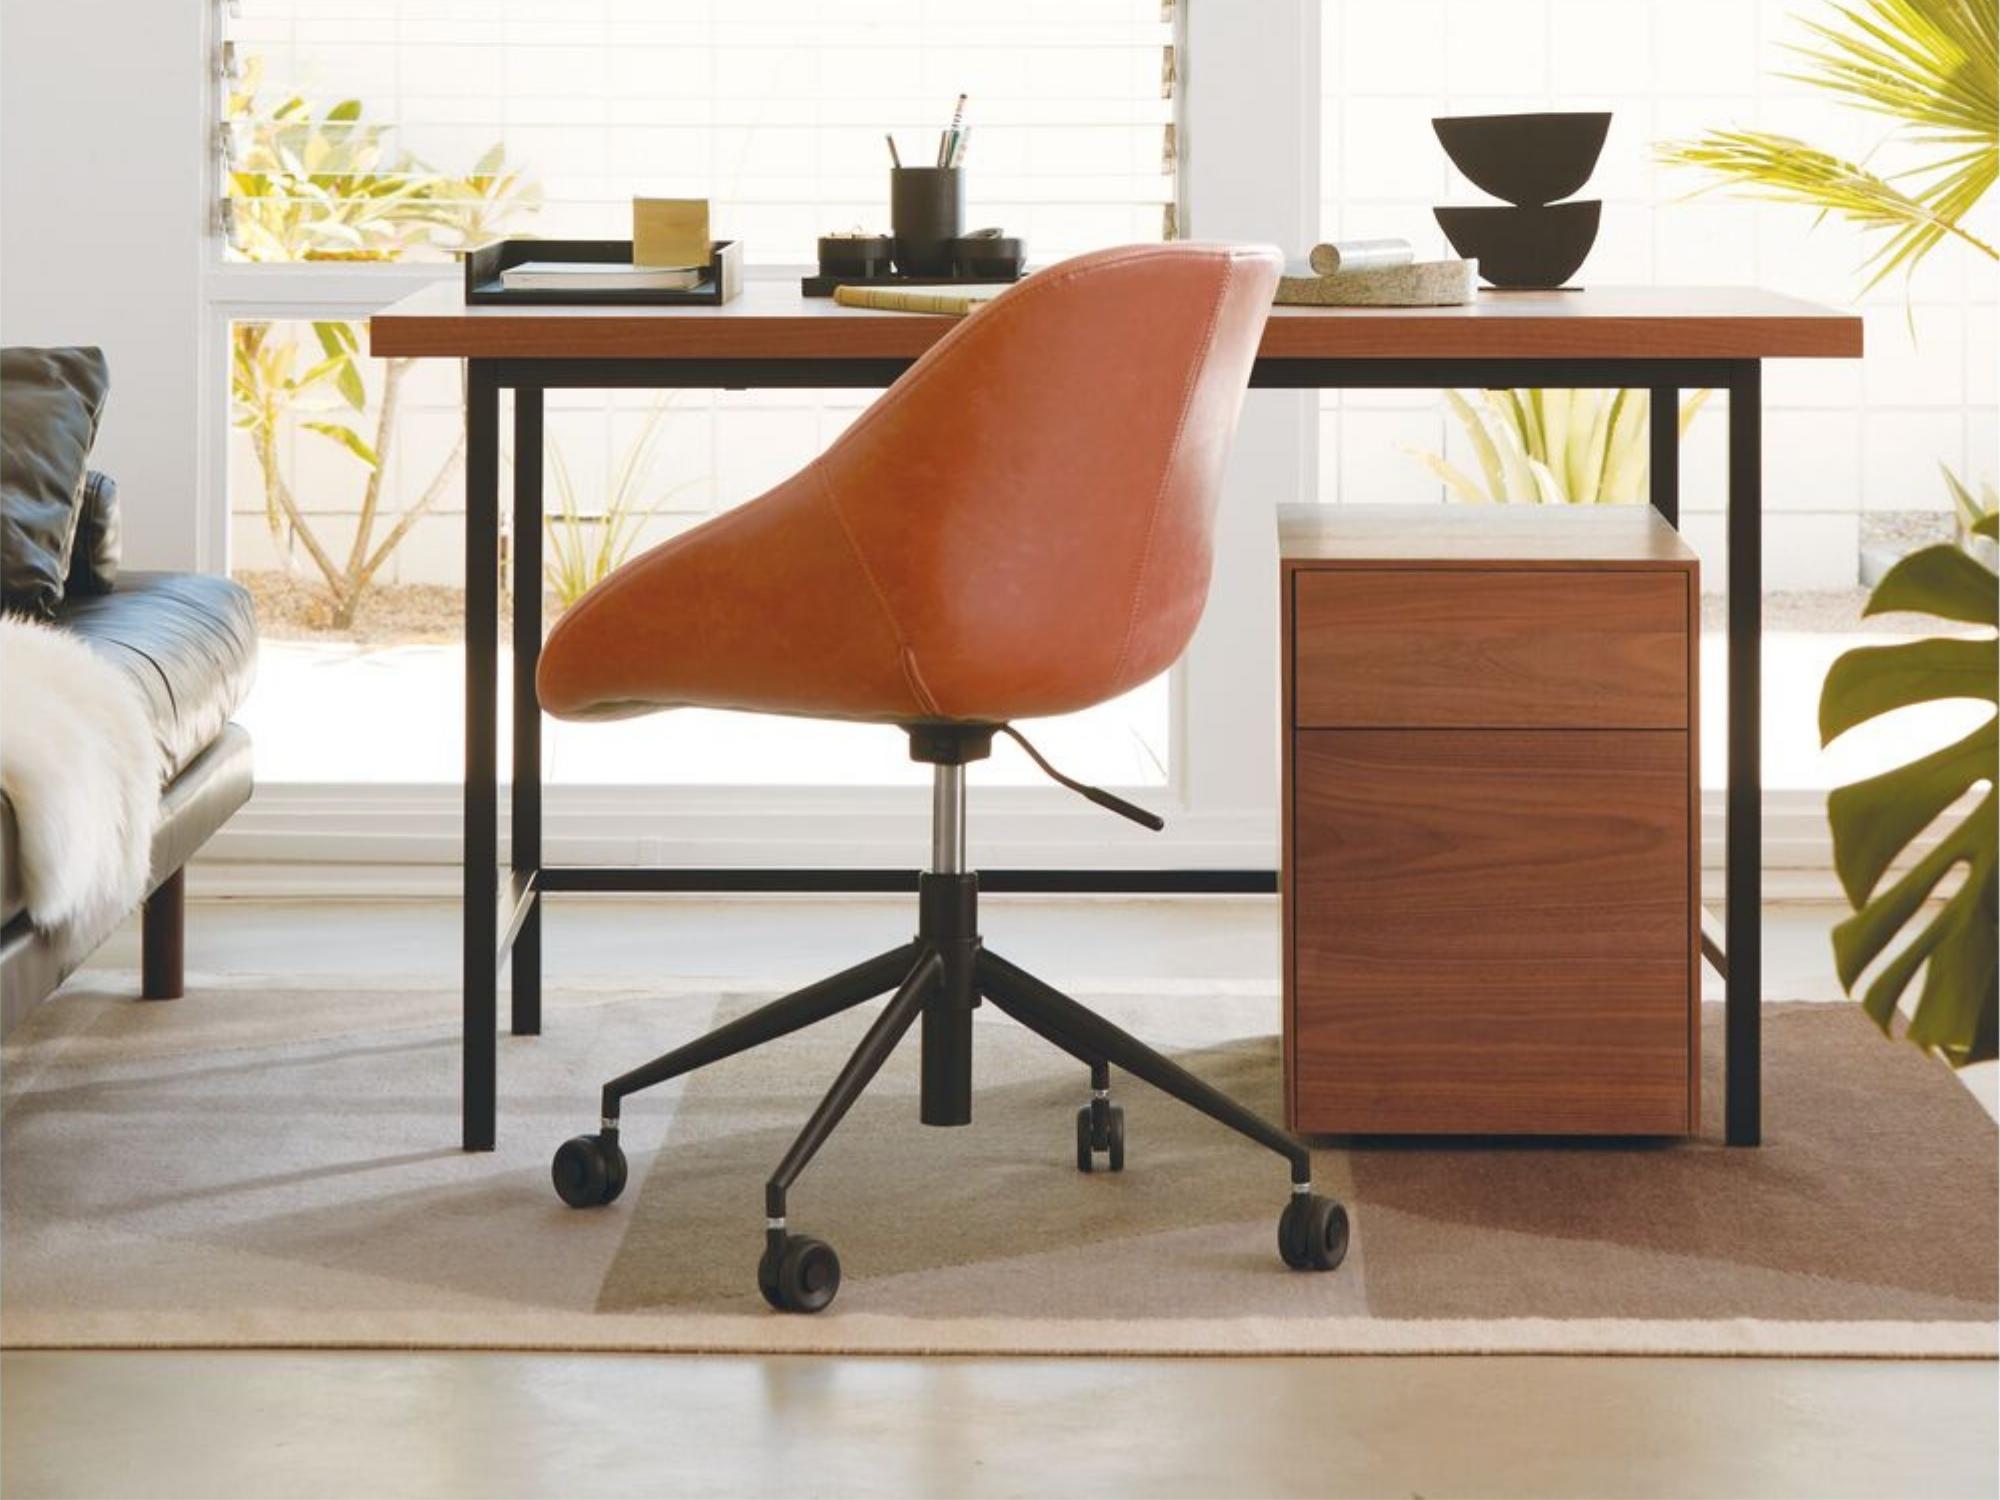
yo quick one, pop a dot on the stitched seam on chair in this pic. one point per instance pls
(906, 656)
(919, 689)
(1166, 473)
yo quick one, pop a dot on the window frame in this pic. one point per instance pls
(1220, 795)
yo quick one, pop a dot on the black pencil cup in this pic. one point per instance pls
(926, 211)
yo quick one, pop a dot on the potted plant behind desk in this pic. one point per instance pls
(1933, 67)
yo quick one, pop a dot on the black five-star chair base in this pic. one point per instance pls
(940, 977)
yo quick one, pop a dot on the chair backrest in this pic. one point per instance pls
(1035, 499)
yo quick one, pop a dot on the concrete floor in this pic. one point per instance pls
(216, 1425)
(366, 1423)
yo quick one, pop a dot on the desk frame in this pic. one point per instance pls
(500, 921)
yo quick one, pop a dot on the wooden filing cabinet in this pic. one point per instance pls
(1491, 820)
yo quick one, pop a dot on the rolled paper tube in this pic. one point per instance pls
(1337, 257)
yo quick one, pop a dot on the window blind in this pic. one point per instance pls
(405, 129)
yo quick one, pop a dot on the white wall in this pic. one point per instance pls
(1843, 439)
(102, 168)
(1251, 158)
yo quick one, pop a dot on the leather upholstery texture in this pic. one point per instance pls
(189, 640)
(1020, 526)
(93, 555)
(50, 402)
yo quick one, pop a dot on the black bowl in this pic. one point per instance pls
(1527, 160)
(865, 255)
(1521, 248)
(999, 257)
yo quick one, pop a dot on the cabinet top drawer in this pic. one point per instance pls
(1502, 536)
(1471, 648)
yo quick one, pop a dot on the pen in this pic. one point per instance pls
(948, 142)
(895, 156)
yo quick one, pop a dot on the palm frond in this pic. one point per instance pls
(1933, 66)
(1783, 169)
(1929, 63)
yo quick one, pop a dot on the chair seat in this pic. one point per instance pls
(770, 608)
(765, 609)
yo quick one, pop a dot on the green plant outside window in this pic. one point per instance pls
(1555, 447)
(331, 186)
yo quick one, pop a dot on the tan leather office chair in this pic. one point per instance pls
(1020, 526)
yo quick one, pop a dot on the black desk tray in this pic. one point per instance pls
(484, 265)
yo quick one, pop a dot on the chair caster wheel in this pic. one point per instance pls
(589, 1170)
(1312, 1233)
(802, 1277)
(1111, 1140)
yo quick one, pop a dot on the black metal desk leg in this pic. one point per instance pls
(1664, 461)
(482, 671)
(526, 827)
(1744, 916)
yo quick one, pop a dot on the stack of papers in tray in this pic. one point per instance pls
(599, 276)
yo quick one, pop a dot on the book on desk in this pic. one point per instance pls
(955, 301)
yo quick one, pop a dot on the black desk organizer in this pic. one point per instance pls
(484, 265)
(869, 260)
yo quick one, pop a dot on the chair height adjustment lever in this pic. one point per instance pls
(1097, 794)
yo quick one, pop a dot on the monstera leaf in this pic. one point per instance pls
(1875, 820)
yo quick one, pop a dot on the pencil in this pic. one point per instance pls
(948, 142)
(895, 156)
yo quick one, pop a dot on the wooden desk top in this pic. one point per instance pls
(772, 320)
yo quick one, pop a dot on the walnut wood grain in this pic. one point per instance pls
(1491, 931)
(772, 320)
(1445, 648)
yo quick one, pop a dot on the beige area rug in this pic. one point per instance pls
(264, 1163)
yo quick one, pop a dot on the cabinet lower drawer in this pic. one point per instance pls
(1493, 932)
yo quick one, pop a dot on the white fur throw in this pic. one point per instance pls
(78, 762)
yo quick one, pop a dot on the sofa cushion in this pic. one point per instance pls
(50, 401)
(190, 642)
(93, 558)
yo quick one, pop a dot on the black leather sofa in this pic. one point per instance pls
(190, 642)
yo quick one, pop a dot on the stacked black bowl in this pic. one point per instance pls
(1530, 162)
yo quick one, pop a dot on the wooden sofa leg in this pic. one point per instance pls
(163, 939)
